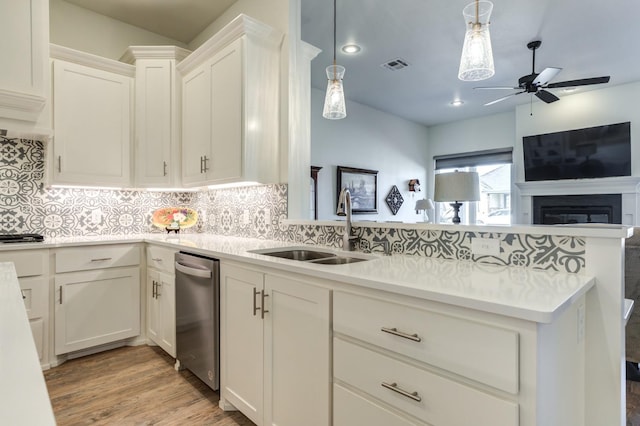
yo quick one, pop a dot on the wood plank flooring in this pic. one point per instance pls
(133, 386)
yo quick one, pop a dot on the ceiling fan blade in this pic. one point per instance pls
(497, 88)
(547, 97)
(546, 75)
(581, 82)
(503, 98)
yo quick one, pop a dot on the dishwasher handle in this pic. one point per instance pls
(193, 270)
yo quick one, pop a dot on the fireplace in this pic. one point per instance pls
(563, 209)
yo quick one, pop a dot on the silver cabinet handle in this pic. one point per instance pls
(153, 291)
(101, 259)
(59, 164)
(264, 311)
(394, 387)
(158, 285)
(255, 303)
(164, 168)
(156, 259)
(23, 295)
(204, 161)
(61, 295)
(395, 332)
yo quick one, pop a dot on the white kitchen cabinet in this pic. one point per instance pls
(157, 114)
(24, 49)
(230, 98)
(96, 297)
(92, 103)
(32, 269)
(275, 347)
(161, 298)
(411, 361)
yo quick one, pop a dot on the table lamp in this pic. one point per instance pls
(456, 187)
(424, 205)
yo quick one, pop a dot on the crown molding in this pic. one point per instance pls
(91, 60)
(134, 53)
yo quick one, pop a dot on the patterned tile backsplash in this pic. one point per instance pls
(256, 212)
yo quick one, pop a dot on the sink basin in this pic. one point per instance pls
(339, 260)
(298, 254)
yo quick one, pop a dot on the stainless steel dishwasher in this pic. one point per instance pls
(198, 316)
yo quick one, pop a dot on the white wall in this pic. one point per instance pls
(87, 31)
(368, 139)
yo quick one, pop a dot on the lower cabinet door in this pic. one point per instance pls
(166, 296)
(96, 307)
(297, 353)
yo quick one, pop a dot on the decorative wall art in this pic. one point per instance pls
(394, 200)
(363, 186)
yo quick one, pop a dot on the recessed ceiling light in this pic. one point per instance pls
(351, 48)
(456, 102)
(570, 89)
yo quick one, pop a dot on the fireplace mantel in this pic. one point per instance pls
(611, 185)
(628, 186)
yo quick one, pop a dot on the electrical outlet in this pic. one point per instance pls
(485, 246)
(96, 216)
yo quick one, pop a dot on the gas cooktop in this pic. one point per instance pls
(21, 238)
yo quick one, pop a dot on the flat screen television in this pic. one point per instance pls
(594, 152)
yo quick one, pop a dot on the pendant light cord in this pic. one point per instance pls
(334, 38)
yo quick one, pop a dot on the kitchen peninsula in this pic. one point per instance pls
(545, 327)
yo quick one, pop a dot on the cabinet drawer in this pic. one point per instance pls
(478, 351)
(441, 401)
(351, 409)
(161, 258)
(96, 257)
(28, 263)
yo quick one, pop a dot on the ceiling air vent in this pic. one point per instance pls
(395, 64)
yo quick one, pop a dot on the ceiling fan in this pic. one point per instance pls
(537, 83)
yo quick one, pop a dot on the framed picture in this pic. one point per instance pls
(363, 186)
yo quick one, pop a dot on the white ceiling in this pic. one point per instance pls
(587, 38)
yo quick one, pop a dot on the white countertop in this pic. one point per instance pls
(23, 397)
(518, 292)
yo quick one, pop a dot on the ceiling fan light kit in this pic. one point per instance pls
(476, 62)
(536, 84)
(334, 104)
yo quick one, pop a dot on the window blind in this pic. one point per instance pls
(473, 159)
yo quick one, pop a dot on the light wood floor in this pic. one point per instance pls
(133, 386)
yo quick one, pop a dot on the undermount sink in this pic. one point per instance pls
(299, 254)
(339, 260)
(312, 256)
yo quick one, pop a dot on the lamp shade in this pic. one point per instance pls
(476, 62)
(334, 105)
(424, 204)
(457, 186)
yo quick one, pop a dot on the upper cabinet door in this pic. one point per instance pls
(24, 52)
(230, 107)
(92, 125)
(196, 126)
(154, 112)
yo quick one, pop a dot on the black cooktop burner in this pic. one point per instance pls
(21, 238)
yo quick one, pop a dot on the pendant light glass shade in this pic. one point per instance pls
(476, 62)
(334, 105)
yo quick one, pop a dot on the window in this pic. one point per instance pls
(494, 170)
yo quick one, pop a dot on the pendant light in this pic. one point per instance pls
(334, 105)
(476, 62)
